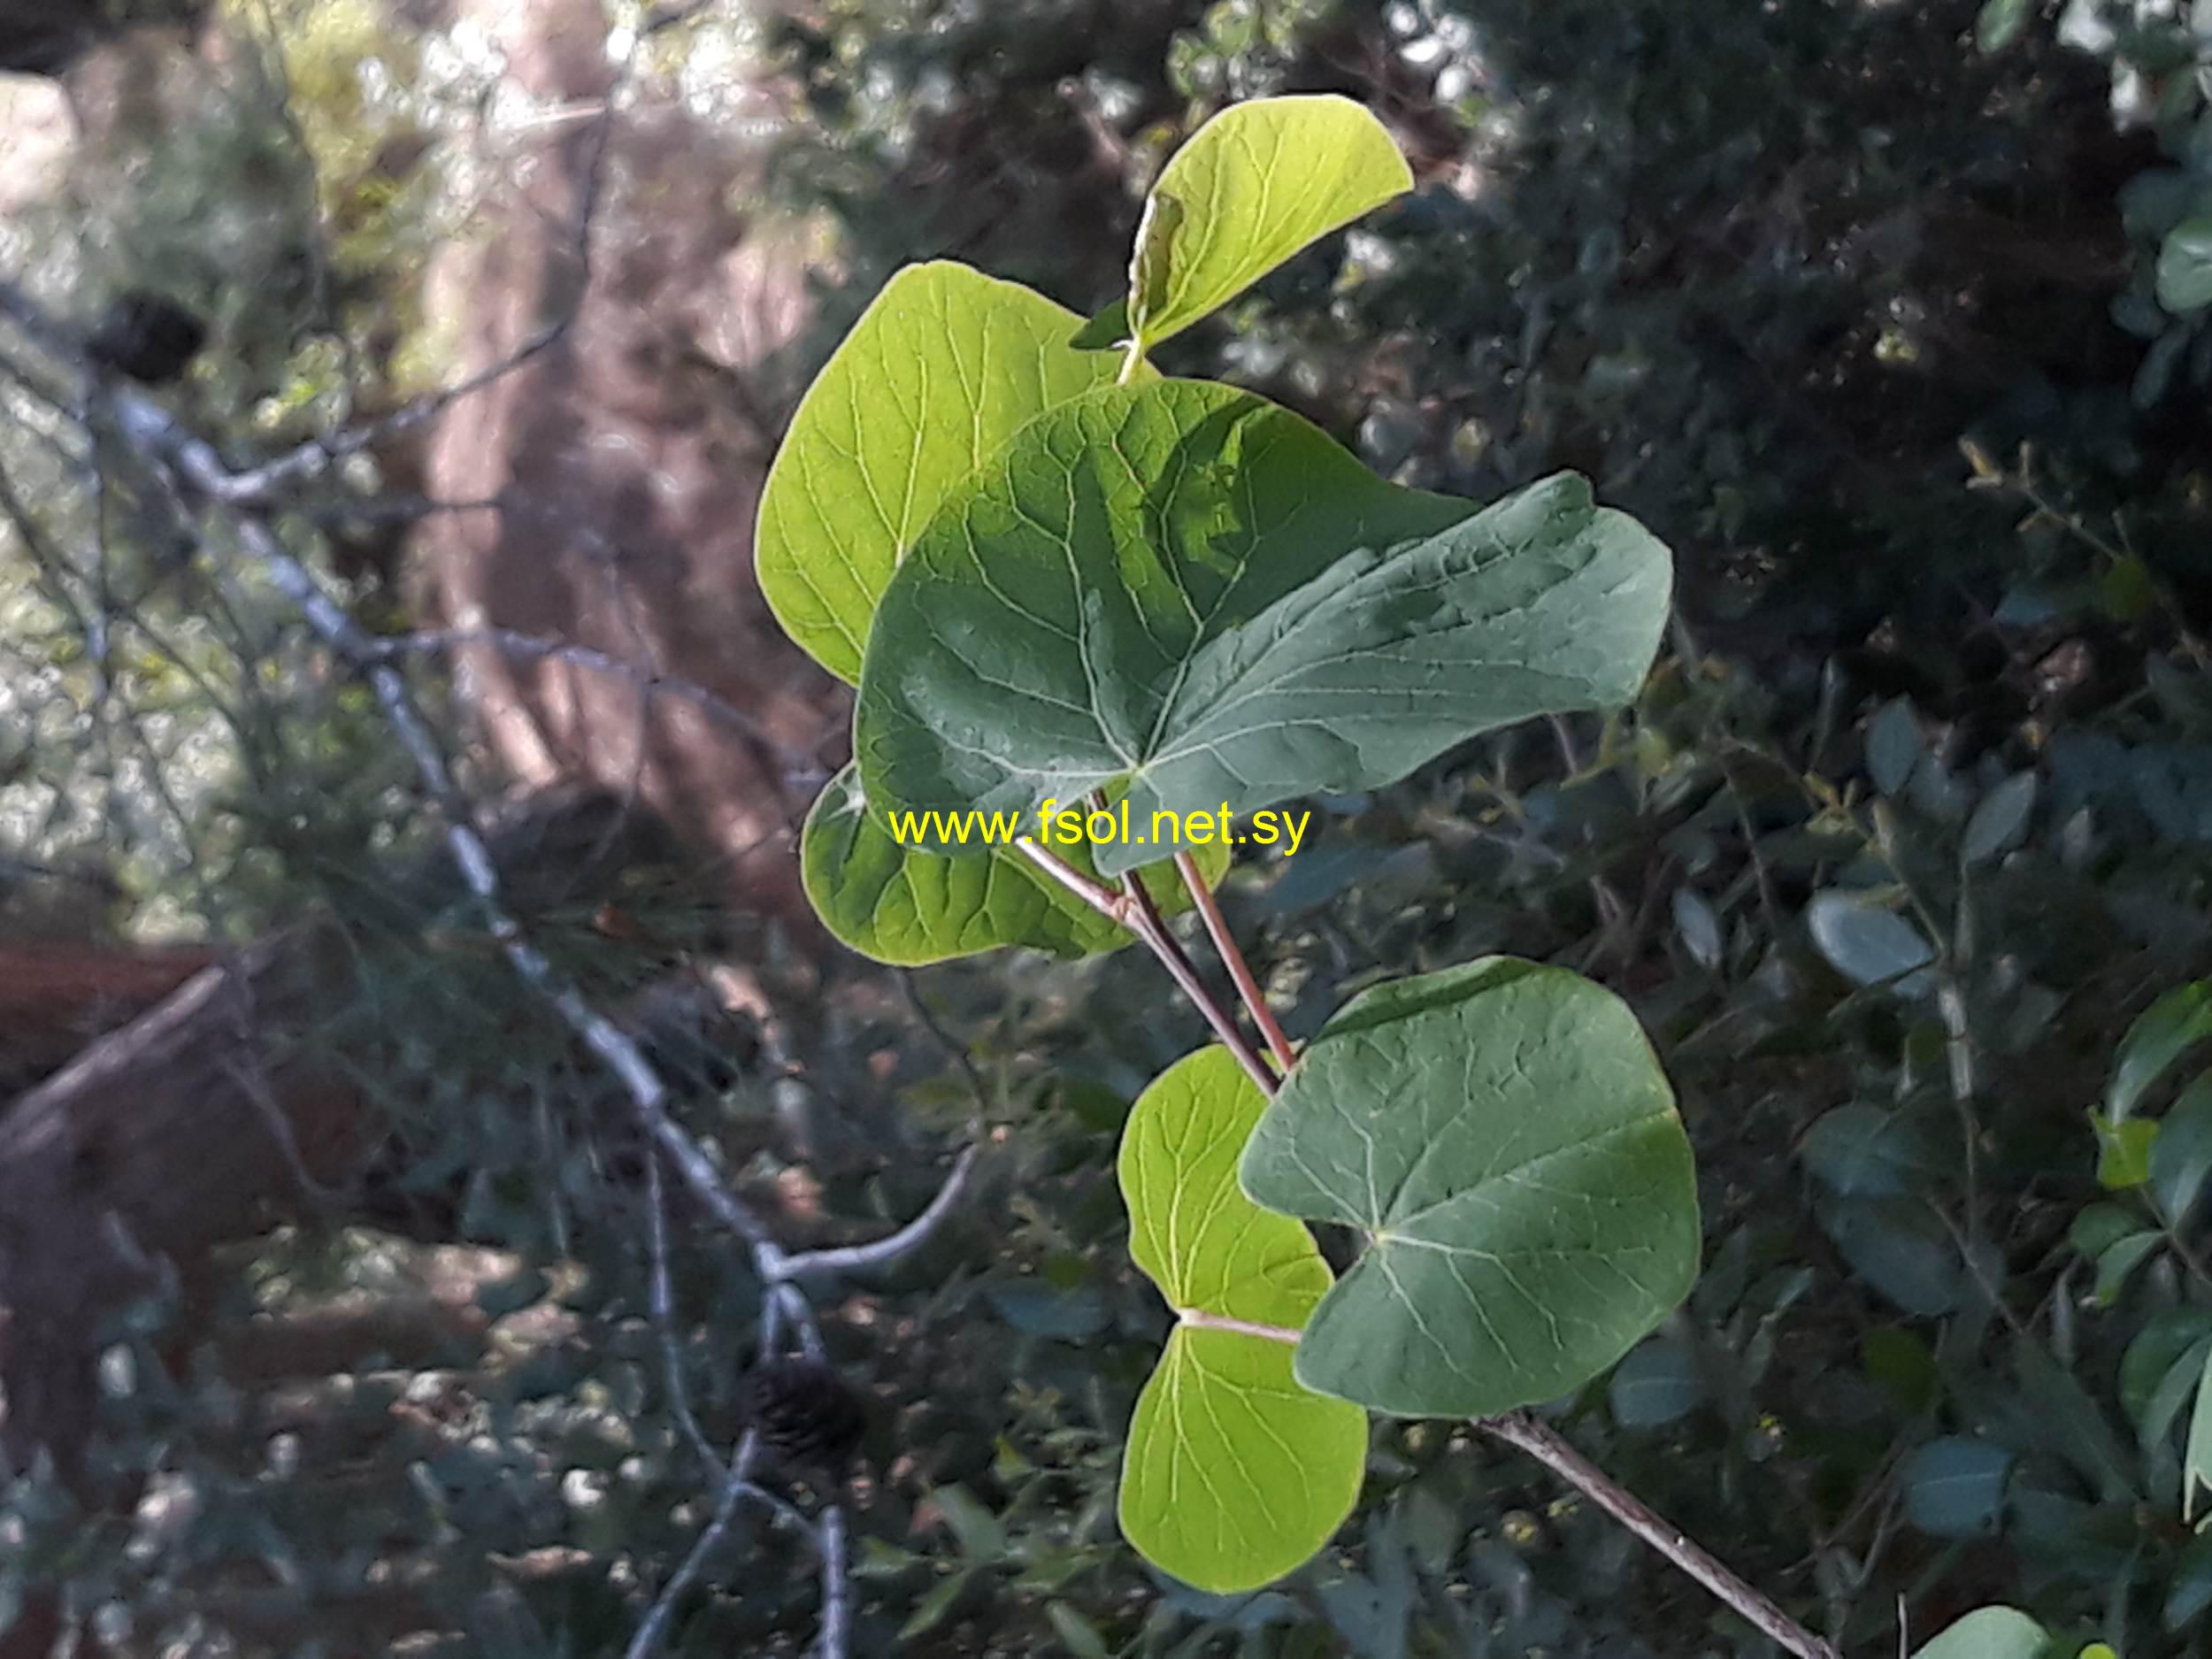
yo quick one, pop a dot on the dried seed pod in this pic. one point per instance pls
(807, 1415)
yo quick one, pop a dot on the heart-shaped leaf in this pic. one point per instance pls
(896, 904)
(1234, 1473)
(943, 367)
(1505, 1136)
(1186, 591)
(1253, 185)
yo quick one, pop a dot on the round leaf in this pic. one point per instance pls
(897, 904)
(1235, 1474)
(943, 367)
(1504, 1135)
(1253, 185)
(1186, 591)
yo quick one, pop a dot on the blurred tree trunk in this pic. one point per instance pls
(628, 457)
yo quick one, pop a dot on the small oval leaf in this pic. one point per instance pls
(1954, 1488)
(1868, 944)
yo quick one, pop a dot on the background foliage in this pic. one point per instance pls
(1914, 819)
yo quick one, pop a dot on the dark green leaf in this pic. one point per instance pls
(1857, 1149)
(1656, 1385)
(2181, 1156)
(1892, 745)
(2164, 1032)
(1954, 1488)
(1183, 588)
(1869, 944)
(1505, 1137)
(2001, 817)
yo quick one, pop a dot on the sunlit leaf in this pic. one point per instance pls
(897, 904)
(940, 370)
(1234, 1473)
(1253, 186)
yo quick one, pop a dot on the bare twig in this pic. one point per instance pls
(1547, 1447)
(1202, 895)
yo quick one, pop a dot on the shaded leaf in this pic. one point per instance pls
(2185, 265)
(1954, 1488)
(1892, 745)
(2189, 1592)
(2165, 1031)
(2000, 22)
(2000, 818)
(1900, 1249)
(1990, 1632)
(2181, 1156)
(1656, 1385)
(1869, 944)
(2196, 1462)
(1503, 1133)
(1861, 1149)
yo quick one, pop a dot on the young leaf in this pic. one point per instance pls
(1990, 1632)
(943, 367)
(897, 904)
(1235, 1474)
(1504, 1135)
(1253, 186)
(1187, 589)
